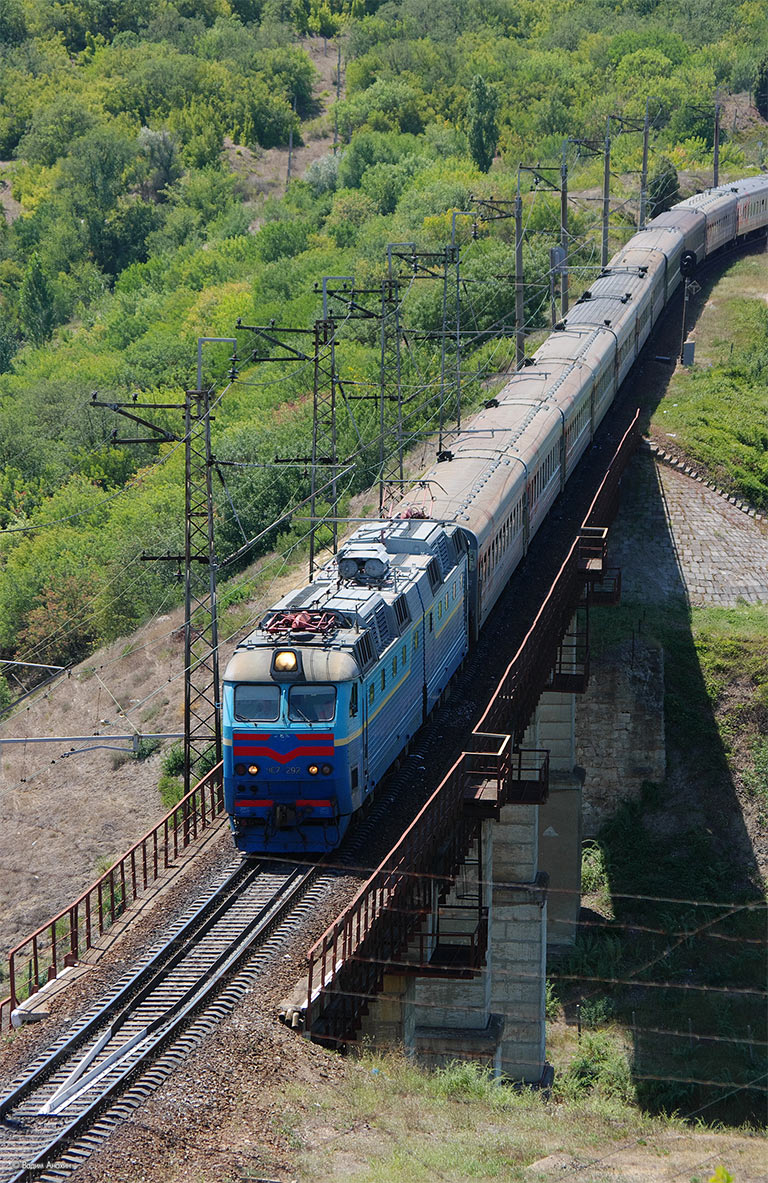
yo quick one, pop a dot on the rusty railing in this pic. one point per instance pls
(347, 964)
(63, 939)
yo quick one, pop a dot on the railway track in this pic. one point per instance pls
(65, 1105)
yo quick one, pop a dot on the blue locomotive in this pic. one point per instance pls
(323, 696)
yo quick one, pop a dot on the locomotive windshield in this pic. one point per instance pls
(311, 704)
(257, 704)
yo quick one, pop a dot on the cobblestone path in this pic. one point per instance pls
(674, 537)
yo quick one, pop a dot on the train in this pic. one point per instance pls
(325, 694)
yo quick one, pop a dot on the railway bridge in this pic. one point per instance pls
(444, 949)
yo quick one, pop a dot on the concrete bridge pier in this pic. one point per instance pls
(493, 1013)
(517, 943)
(560, 817)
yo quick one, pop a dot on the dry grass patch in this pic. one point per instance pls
(387, 1121)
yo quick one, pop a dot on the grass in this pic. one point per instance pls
(387, 1121)
(716, 412)
(171, 790)
(755, 779)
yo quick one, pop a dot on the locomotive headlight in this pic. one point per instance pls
(326, 769)
(313, 770)
(285, 662)
(239, 769)
(253, 769)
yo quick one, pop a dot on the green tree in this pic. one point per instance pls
(126, 229)
(92, 178)
(161, 164)
(350, 210)
(13, 28)
(482, 122)
(663, 188)
(37, 302)
(321, 21)
(60, 629)
(52, 129)
(8, 344)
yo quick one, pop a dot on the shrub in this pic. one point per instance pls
(599, 1066)
(173, 761)
(171, 790)
(145, 749)
(280, 240)
(323, 174)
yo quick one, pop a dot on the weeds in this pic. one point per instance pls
(173, 760)
(755, 779)
(717, 413)
(600, 1066)
(140, 752)
(171, 790)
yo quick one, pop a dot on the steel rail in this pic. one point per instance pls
(146, 972)
(113, 1075)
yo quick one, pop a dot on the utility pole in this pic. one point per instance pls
(290, 141)
(519, 281)
(388, 314)
(685, 310)
(456, 255)
(564, 230)
(202, 700)
(606, 191)
(716, 166)
(492, 210)
(443, 343)
(273, 344)
(324, 432)
(338, 96)
(554, 264)
(644, 171)
(390, 377)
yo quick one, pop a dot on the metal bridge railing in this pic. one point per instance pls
(63, 939)
(347, 964)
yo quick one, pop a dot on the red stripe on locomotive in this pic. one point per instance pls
(318, 745)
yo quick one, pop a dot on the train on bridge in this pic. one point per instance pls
(323, 696)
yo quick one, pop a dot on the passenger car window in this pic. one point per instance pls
(257, 704)
(311, 704)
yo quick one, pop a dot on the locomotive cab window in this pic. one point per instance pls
(257, 704)
(311, 704)
(353, 696)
